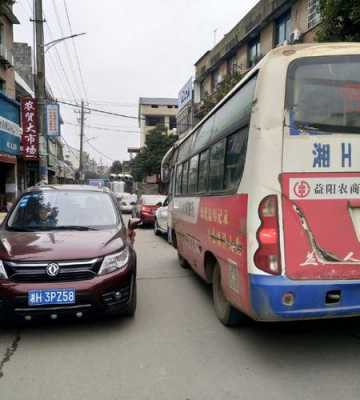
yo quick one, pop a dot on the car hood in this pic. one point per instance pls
(59, 245)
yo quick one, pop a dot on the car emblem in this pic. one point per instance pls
(53, 269)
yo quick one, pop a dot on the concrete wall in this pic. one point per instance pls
(267, 38)
(7, 74)
(23, 62)
(160, 111)
(260, 20)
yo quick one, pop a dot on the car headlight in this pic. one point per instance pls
(115, 262)
(3, 274)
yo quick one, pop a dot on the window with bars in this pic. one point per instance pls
(314, 13)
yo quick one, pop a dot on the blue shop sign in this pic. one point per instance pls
(10, 131)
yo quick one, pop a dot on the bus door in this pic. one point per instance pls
(321, 169)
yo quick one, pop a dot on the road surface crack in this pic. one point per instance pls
(10, 351)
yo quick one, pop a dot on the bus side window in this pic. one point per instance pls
(203, 171)
(235, 158)
(193, 174)
(185, 175)
(217, 156)
(178, 179)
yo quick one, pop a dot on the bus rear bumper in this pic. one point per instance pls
(311, 299)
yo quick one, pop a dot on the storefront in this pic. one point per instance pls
(10, 135)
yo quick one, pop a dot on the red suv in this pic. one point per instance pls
(65, 249)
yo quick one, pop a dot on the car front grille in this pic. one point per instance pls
(34, 272)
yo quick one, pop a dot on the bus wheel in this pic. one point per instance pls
(174, 239)
(226, 313)
(183, 263)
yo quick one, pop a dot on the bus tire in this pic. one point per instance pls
(226, 313)
(173, 239)
(183, 263)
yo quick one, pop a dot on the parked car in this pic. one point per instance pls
(65, 250)
(127, 202)
(161, 219)
(146, 207)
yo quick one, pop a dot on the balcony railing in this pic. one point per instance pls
(6, 56)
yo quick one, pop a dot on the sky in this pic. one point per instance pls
(132, 49)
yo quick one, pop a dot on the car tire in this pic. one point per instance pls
(130, 308)
(226, 313)
(156, 228)
(182, 261)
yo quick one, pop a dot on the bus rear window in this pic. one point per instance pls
(323, 93)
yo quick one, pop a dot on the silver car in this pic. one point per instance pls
(161, 219)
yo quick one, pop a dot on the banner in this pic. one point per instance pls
(53, 120)
(30, 135)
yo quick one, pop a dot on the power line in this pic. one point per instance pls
(61, 63)
(108, 102)
(75, 51)
(101, 128)
(99, 152)
(100, 111)
(58, 19)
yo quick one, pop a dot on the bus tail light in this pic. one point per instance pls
(267, 257)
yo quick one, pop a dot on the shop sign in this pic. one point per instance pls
(30, 137)
(185, 94)
(53, 120)
(10, 134)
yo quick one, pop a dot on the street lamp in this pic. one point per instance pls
(48, 46)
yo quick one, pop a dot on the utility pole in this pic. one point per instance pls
(82, 122)
(40, 92)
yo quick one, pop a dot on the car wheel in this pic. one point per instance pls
(130, 309)
(183, 263)
(156, 228)
(226, 313)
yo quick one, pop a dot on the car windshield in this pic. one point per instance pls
(323, 94)
(45, 210)
(153, 200)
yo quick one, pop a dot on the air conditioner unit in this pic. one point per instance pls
(295, 36)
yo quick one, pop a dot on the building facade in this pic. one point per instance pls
(10, 131)
(154, 112)
(270, 23)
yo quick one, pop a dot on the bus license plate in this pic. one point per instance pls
(51, 297)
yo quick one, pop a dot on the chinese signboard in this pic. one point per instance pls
(53, 120)
(30, 138)
(322, 153)
(324, 188)
(185, 94)
(10, 134)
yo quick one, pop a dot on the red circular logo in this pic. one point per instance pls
(302, 189)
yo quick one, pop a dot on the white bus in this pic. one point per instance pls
(265, 193)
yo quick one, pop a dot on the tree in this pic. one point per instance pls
(340, 21)
(148, 161)
(116, 167)
(210, 101)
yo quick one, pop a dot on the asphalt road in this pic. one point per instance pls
(175, 348)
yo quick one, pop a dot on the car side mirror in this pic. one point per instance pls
(133, 223)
